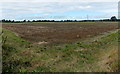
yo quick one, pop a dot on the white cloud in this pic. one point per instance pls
(43, 9)
(26, 8)
(59, 0)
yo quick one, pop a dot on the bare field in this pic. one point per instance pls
(60, 32)
(93, 48)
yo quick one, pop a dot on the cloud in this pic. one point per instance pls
(59, 0)
(36, 10)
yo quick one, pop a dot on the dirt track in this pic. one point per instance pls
(59, 32)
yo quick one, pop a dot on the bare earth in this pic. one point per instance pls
(59, 32)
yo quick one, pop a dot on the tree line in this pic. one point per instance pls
(113, 18)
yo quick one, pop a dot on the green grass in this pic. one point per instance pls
(13, 45)
(20, 55)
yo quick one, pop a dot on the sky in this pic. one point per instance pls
(58, 10)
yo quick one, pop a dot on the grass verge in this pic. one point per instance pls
(99, 55)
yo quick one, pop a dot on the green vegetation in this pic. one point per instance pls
(97, 56)
(12, 45)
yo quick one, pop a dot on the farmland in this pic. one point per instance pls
(53, 32)
(60, 47)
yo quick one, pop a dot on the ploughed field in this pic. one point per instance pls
(59, 32)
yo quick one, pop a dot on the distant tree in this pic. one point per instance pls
(113, 18)
(33, 21)
(118, 19)
(52, 20)
(24, 20)
(9, 20)
(13, 21)
(3, 20)
(28, 21)
(75, 20)
(6, 21)
(61, 20)
(38, 20)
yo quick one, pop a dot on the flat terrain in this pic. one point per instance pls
(59, 32)
(60, 47)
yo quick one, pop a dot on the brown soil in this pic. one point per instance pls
(59, 32)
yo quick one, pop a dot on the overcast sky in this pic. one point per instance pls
(58, 10)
